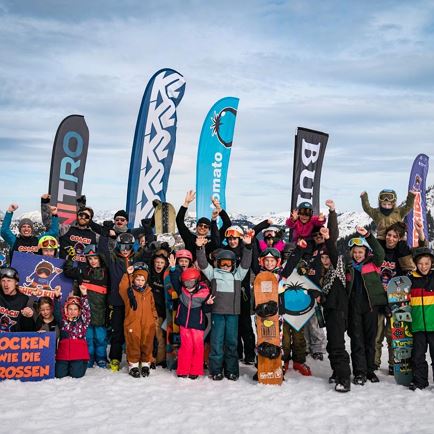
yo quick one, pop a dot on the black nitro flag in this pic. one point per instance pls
(68, 162)
(309, 152)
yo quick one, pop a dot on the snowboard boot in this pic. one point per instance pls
(414, 386)
(217, 377)
(101, 364)
(318, 356)
(372, 377)
(153, 365)
(145, 371)
(193, 377)
(343, 386)
(134, 372)
(182, 376)
(359, 379)
(90, 363)
(115, 365)
(249, 361)
(255, 376)
(232, 377)
(391, 370)
(302, 368)
(332, 378)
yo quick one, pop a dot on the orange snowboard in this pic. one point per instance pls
(267, 329)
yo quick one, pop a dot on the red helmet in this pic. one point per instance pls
(184, 253)
(190, 274)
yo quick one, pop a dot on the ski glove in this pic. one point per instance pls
(132, 298)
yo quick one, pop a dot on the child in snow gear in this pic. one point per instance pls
(48, 320)
(48, 246)
(422, 313)
(194, 303)
(387, 212)
(302, 222)
(225, 281)
(366, 294)
(272, 238)
(72, 353)
(334, 300)
(95, 278)
(140, 320)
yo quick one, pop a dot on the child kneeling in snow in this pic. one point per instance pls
(194, 303)
(140, 318)
(72, 353)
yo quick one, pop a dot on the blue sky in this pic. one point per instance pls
(361, 71)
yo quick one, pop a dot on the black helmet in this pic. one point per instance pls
(305, 205)
(9, 272)
(423, 251)
(225, 254)
(125, 241)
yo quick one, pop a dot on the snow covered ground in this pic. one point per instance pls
(106, 402)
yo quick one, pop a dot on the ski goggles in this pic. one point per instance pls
(11, 273)
(125, 247)
(305, 211)
(387, 196)
(225, 263)
(191, 283)
(233, 233)
(49, 243)
(359, 242)
(140, 266)
(84, 215)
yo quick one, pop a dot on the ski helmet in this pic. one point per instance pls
(10, 273)
(359, 242)
(387, 195)
(234, 232)
(190, 277)
(72, 300)
(224, 257)
(305, 208)
(48, 242)
(272, 230)
(184, 253)
(125, 241)
(270, 252)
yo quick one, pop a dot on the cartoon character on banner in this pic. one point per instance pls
(43, 276)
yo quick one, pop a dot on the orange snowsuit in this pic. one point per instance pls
(139, 324)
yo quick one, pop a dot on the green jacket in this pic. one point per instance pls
(384, 221)
(370, 274)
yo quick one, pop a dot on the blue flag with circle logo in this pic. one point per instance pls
(213, 155)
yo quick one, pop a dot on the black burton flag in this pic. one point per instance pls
(308, 156)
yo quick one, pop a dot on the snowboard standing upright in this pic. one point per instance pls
(165, 218)
(268, 329)
(398, 295)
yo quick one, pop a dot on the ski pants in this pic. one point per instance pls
(73, 368)
(422, 341)
(224, 344)
(140, 343)
(339, 359)
(362, 329)
(117, 338)
(96, 337)
(246, 337)
(293, 342)
(190, 354)
(315, 336)
(383, 330)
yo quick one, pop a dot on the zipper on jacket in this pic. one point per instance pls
(188, 311)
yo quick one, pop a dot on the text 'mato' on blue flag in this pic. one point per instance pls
(213, 155)
(154, 144)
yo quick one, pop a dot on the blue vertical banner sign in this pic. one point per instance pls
(213, 155)
(417, 183)
(68, 162)
(154, 144)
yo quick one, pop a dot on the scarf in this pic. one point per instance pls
(332, 274)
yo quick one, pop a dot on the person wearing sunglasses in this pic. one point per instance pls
(26, 241)
(77, 235)
(366, 295)
(16, 311)
(203, 227)
(225, 280)
(302, 222)
(387, 212)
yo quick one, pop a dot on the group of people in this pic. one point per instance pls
(190, 309)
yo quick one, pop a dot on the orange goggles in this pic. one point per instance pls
(49, 243)
(225, 263)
